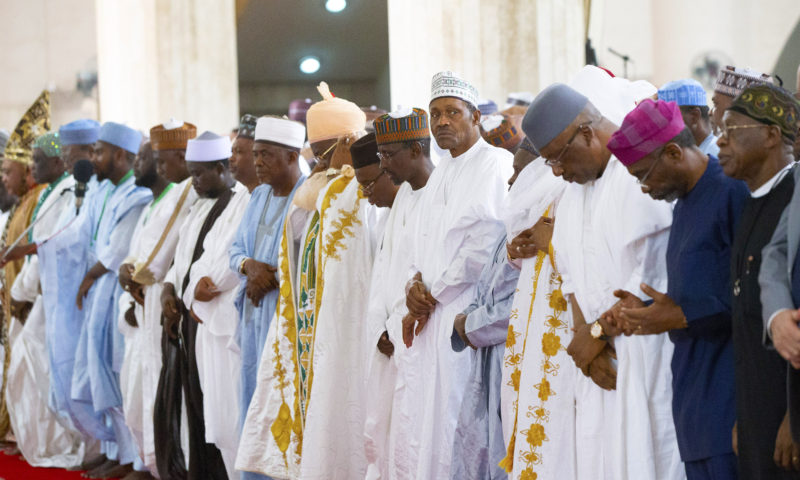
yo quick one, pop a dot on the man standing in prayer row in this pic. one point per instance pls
(43, 437)
(660, 151)
(207, 162)
(691, 98)
(730, 83)
(100, 348)
(254, 252)
(272, 440)
(615, 238)
(403, 143)
(478, 446)
(452, 240)
(152, 250)
(755, 146)
(18, 181)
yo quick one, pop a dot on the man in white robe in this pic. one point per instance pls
(152, 248)
(403, 139)
(615, 238)
(453, 240)
(43, 437)
(187, 294)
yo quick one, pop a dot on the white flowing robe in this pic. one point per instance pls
(538, 394)
(152, 249)
(45, 438)
(218, 359)
(385, 314)
(334, 424)
(454, 237)
(616, 237)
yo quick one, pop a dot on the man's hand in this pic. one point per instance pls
(584, 348)
(611, 320)
(261, 279)
(170, 310)
(409, 321)
(735, 439)
(130, 317)
(194, 316)
(419, 301)
(531, 241)
(602, 370)
(97, 270)
(459, 325)
(341, 153)
(385, 346)
(787, 453)
(786, 335)
(125, 276)
(20, 310)
(205, 291)
(661, 316)
(16, 253)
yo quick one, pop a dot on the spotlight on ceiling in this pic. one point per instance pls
(335, 6)
(309, 65)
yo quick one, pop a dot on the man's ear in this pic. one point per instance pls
(476, 117)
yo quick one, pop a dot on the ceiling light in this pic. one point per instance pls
(309, 65)
(335, 6)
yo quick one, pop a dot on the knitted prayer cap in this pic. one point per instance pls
(79, 132)
(646, 128)
(731, 81)
(402, 126)
(172, 135)
(770, 105)
(498, 131)
(449, 84)
(49, 143)
(247, 126)
(685, 92)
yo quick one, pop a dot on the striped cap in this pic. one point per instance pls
(498, 131)
(731, 81)
(646, 128)
(402, 126)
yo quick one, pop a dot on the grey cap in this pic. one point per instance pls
(3, 140)
(551, 112)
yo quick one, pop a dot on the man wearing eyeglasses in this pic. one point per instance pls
(756, 146)
(608, 235)
(661, 152)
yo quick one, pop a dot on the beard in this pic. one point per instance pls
(148, 179)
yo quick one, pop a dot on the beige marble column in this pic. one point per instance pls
(163, 58)
(500, 46)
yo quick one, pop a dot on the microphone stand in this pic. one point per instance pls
(40, 216)
(625, 60)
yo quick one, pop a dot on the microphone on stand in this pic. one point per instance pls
(82, 171)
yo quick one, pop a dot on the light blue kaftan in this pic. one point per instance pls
(478, 443)
(95, 379)
(258, 237)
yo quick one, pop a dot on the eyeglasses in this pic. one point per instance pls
(320, 158)
(387, 156)
(649, 171)
(367, 189)
(725, 129)
(557, 161)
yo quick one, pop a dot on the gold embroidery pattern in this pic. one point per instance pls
(342, 227)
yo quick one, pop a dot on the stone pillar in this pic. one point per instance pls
(162, 58)
(500, 46)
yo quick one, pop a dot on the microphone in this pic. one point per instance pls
(82, 171)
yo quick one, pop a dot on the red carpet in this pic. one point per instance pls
(16, 468)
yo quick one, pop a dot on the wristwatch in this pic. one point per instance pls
(596, 330)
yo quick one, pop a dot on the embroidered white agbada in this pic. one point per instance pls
(385, 313)
(45, 439)
(152, 250)
(616, 237)
(454, 237)
(538, 395)
(334, 423)
(216, 352)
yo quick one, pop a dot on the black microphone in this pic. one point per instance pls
(82, 171)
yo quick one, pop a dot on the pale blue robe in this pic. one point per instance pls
(101, 346)
(478, 443)
(258, 237)
(63, 264)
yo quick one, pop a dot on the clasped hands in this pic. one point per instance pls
(529, 242)
(420, 305)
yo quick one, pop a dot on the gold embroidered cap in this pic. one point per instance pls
(34, 123)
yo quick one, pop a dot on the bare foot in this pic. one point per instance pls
(89, 464)
(12, 450)
(100, 471)
(119, 471)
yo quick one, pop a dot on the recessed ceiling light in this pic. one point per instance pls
(335, 6)
(309, 65)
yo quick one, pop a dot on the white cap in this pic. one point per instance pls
(280, 130)
(208, 147)
(449, 84)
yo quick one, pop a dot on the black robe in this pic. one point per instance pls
(760, 373)
(179, 375)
